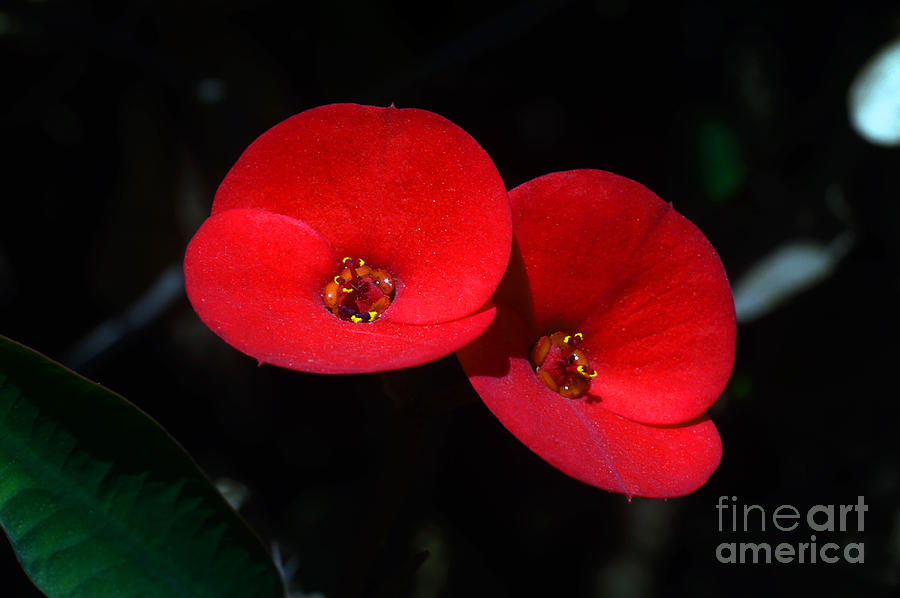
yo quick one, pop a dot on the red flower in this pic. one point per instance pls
(647, 336)
(277, 269)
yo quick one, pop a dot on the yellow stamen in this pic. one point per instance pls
(579, 336)
(361, 263)
(356, 319)
(567, 338)
(581, 371)
(337, 280)
(345, 260)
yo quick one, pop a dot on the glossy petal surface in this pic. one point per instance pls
(602, 255)
(605, 256)
(580, 438)
(256, 278)
(404, 189)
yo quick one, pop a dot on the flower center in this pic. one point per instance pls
(561, 366)
(359, 293)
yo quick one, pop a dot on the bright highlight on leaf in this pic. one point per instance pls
(787, 271)
(97, 500)
(874, 98)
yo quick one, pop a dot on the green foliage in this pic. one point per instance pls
(99, 501)
(722, 167)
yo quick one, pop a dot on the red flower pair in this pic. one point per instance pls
(356, 239)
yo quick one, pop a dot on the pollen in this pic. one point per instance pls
(561, 364)
(359, 293)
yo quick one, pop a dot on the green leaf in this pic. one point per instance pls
(98, 500)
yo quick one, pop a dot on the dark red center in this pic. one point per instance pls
(562, 365)
(359, 293)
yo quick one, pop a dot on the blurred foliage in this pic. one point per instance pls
(722, 167)
(121, 118)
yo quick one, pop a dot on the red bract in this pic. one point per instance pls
(603, 256)
(405, 190)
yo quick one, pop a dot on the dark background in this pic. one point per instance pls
(119, 120)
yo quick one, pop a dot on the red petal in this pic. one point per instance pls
(406, 190)
(605, 256)
(256, 279)
(581, 438)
